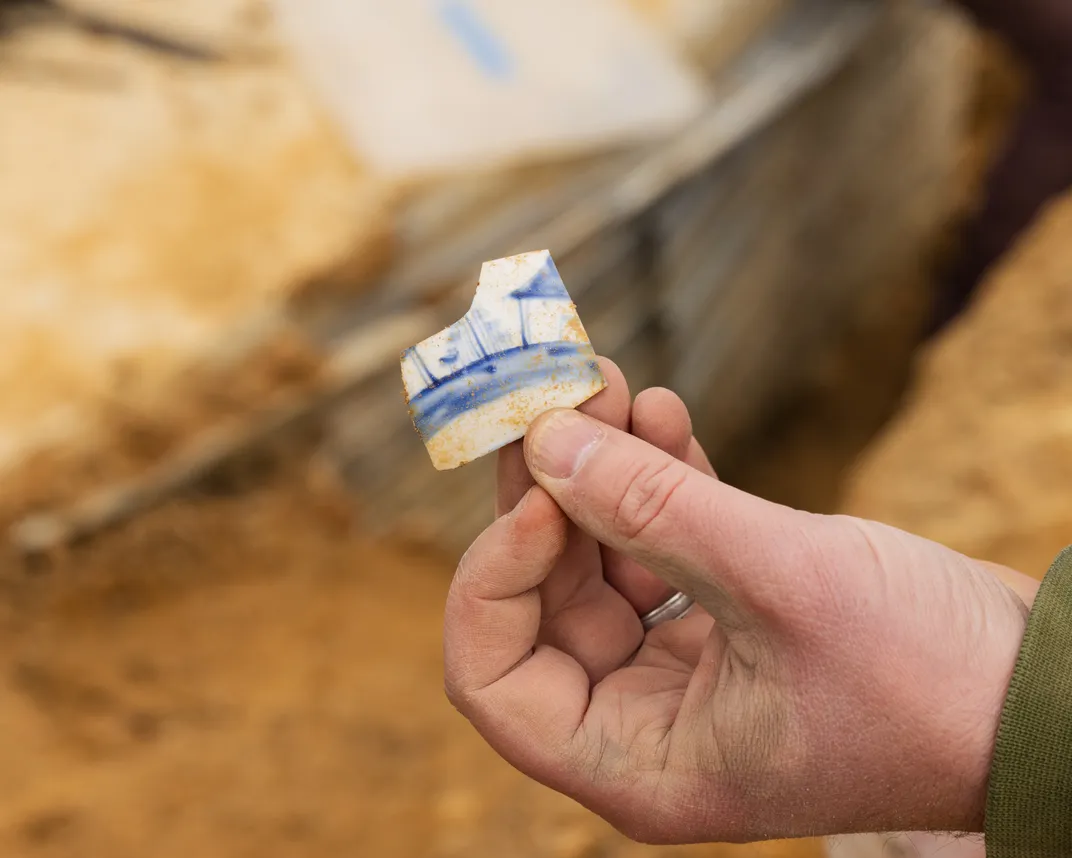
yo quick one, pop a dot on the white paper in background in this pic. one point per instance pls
(424, 86)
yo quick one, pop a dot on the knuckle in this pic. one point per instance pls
(467, 564)
(453, 684)
(450, 689)
(456, 696)
(461, 691)
(646, 495)
(489, 551)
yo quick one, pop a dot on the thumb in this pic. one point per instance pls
(732, 552)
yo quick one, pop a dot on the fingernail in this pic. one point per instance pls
(562, 442)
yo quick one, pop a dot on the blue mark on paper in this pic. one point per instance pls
(480, 43)
(489, 358)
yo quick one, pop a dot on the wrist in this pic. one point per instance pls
(1006, 624)
(1024, 587)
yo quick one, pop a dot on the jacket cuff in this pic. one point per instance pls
(1029, 797)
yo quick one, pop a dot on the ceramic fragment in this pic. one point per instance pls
(520, 351)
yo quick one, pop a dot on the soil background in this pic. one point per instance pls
(241, 672)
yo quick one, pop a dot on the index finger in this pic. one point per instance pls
(611, 405)
(526, 701)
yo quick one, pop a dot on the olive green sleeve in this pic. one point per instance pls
(1029, 801)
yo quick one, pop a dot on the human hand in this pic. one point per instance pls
(838, 676)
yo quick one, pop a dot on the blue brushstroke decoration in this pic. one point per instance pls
(471, 387)
(546, 285)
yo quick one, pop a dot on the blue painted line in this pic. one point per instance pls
(479, 42)
(499, 375)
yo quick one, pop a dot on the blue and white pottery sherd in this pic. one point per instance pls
(521, 350)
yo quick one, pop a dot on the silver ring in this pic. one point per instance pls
(674, 608)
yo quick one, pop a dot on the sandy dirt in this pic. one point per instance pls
(241, 674)
(153, 208)
(981, 456)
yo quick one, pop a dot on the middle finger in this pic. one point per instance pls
(661, 419)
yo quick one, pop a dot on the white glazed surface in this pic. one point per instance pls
(520, 351)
